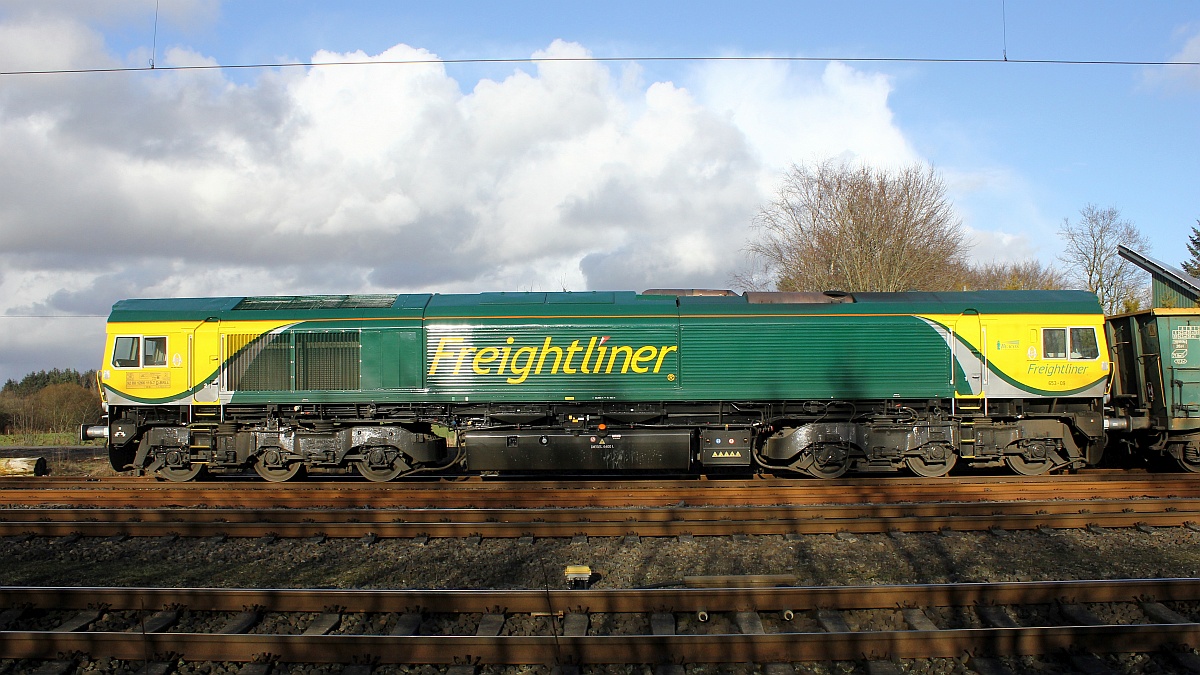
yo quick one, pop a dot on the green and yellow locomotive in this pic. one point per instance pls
(663, 381)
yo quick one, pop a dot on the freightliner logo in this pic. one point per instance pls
(453, 356)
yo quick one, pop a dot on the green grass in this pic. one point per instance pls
(42, 439)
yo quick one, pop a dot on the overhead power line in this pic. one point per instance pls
(602, 59)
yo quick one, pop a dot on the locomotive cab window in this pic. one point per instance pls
(127, 352)
(1082, 345)
(132, 351)
(155, 352)
(1054, 343)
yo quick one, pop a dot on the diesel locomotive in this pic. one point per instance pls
(666, 381)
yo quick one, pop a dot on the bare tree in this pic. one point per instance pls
(857, 228)
(1014, 276)
(20, 413)
(63, 407)
(1092, 262)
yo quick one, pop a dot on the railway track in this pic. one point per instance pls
(996, 517)
(479, 493)
(1076, 621)
(468, 629)
(601, 509)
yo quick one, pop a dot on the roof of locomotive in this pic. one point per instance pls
(425, 305)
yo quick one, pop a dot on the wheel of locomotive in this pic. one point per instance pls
(272, 466)
(1033, 460)
(181, 474)
(934, 461)
(381, 465)
(830, 461)
(178, 469)
(1189, 458)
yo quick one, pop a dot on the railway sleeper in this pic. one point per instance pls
(840, 642)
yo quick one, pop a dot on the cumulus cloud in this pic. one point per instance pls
(804, 113)
(996, 193)
(1179, 77)
(390, 178)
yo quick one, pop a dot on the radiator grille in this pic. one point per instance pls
(296, 302)
(258, 363)
(327, 361)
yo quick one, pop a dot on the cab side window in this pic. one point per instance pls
(1083, 343)
(156, 351)
(126, 352)
(1054, 343)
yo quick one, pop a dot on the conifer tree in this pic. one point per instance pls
(1192, 266)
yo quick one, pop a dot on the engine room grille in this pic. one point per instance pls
(327, 361)
(258, 363)
(295, 302)
(324, 361)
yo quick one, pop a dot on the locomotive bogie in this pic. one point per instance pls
(179, 451)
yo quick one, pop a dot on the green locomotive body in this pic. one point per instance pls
(606, 381)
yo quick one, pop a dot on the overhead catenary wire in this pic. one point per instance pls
(602, 59)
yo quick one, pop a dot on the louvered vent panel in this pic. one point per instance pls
(257, 363)
(301, 302)
(327, 361)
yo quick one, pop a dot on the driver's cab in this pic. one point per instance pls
(145, 366)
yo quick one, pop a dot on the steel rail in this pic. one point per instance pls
(719, 648)
(796, 598)
(623, 649)
(347, 494)
(610, 599)
(624, 482)
(664, 528)
(614, 514)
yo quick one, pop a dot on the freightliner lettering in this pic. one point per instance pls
(454, 356)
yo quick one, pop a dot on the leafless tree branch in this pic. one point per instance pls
(858, 228)
(1092, 262)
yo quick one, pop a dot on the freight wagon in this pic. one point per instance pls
(664, 381)
(1155, 402)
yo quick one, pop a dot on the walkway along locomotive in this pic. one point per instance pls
(663, 381)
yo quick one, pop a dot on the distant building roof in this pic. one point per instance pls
(1172, 287)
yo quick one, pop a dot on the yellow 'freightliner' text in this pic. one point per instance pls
(520, 363)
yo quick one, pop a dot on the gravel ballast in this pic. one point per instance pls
(815, 560)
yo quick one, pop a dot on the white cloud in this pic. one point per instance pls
(793, 114)
(346, 179)
(986, 195)
(1180, 77)
(177, 13)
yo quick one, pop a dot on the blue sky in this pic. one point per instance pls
(522, 176)
(1124, 136)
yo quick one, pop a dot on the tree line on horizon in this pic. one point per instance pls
(49, 401)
